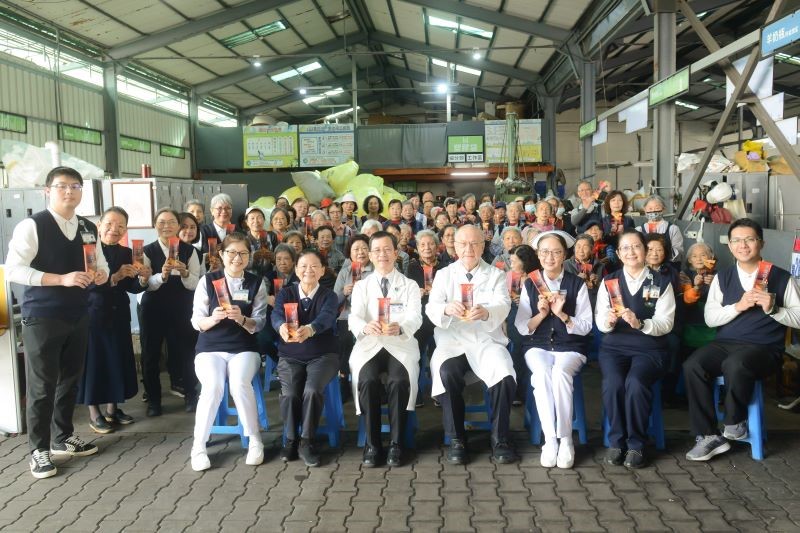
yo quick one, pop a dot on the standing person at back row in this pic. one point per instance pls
(751, 304)
(654, 212)
(471, 339)
(221, 212)
(46, 254)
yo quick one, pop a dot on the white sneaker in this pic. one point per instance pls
(566, 454)
(200, 461)
(255, 453)
(549, 452)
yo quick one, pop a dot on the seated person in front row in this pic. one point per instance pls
(307, 356)
(471, 339)
(751, 304)
(227, 346)
(384, 346)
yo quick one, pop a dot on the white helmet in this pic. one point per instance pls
(720, 193)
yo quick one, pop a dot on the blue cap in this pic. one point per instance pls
(500, 205)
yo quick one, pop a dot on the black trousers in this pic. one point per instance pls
(303, 392)
(453, 372)
(398, 387)
(55, 352)
(741, 364)
(181, 338)
(627, 393)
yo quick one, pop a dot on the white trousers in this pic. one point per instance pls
(551, 378)
(212, 368)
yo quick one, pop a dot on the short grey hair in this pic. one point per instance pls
(194, 201)
(220, 199)
(656, 198)
(486, 205)
(511, 228)
(320, 212)
(371, 223)
(428, 233)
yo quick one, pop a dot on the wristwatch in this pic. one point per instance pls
(641, 324)
(568, 322)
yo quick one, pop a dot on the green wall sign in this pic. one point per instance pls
(172, 151)
(12, 122)
(588, 128)
(465, 149)
(79, 135)
(134, 145)
(669, 88)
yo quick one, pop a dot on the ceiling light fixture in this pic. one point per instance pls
(441, 88)
(476, 55)
(469, 173)
(257, 61)
(303, 90)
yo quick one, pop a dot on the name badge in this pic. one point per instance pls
(241, 295)
(397, 308)
(88, 237)
(655, 292)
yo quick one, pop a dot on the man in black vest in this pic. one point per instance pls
(46, 254)
(751, 317)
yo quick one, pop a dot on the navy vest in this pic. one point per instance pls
(228, 336)
(753, 326)
(172, 293)
(57, 255)
(552, 333)
(323, 341)
(623, 337)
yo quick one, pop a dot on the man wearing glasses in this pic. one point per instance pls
(751, 306)
(221, 211)
(470, 338)
(46, 255)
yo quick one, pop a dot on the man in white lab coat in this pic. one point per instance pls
(389, 347)
(471, 339)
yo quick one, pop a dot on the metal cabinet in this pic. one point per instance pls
(752, 188)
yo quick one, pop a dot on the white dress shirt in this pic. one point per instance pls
(675, 237)
(663, 317)
(189, 282)
(24, 246)
(581, 323)
(717, 314)
(200, 306)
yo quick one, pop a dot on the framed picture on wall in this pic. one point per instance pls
(136, 198)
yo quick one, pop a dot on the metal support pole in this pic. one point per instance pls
(110, 115)
(194, 123)
(449, 106)
(664, 115)
(354, 71)
(550, 105)
(587, 113)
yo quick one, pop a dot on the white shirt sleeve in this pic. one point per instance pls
(259, 314)
(602, 308)
(676, 240)
(582, 321)
(22, 250)
(714, 312)
(190, 281)
(524, 312)
(199, 305)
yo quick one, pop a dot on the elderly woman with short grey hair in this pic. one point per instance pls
(222, 216)
(654, 208)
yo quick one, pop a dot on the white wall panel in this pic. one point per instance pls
(130, 163)
(144, 122)
(81, 107)
(27, 93)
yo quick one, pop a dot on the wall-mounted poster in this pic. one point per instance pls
(465, 149)
(270, 146)
(326, 145)
(136, 198)
(529, 145)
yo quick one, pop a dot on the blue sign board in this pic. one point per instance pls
(780, 33)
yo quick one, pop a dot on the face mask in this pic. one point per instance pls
(652, 217)
(531, 209)
(559, 212)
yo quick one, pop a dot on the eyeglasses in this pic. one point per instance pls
(631, 248)
(463, 244)
(241, 255)
(64, 186)
(746, 240)
(382, 251)
(551, 253)
(165, 223)
(657, 212)
(222, 209)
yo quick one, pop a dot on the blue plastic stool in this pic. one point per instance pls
(534, 425)
(332, 414)
(408, 437)
(756, 427)
(485, 407)
(221, 426)
(269, 372)
(656, 428)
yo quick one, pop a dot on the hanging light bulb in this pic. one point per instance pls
(257, 61)
(476, 54)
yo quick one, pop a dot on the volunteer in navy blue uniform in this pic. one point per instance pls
(46, 255)
(633, 353)
(222, 214)
(227, 347)
(167, 310)
(308, 360)
(751, 322)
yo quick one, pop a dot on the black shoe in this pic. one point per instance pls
(144, 397)
(289, 451)
(395, 455)
(457, 453)
(420, 401)
(372, 456)
(516, 403)
(153, 409)
(118, 417)
(191, 403)
(436, 403)
(308, 453)
(100, 425)
(635, 459)
(503, 453)
(41, 464)
(177, 390)
(614, 456)
(72, 446)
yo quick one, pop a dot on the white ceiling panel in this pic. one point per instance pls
(237, 97)
(511, 41)
(381, 17)
(228, 30)
(492, 82)
(409, 20)
(223, 66)
(536, 58)
(528, 9)
(286, 42)
(254, 48)
(306, 20)
(515, 91)
(395, 62)
(494, 5)
(440, 38)
(566, 14)
(267, 17)
(197, 8)
(146, 16)
(200, 45)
